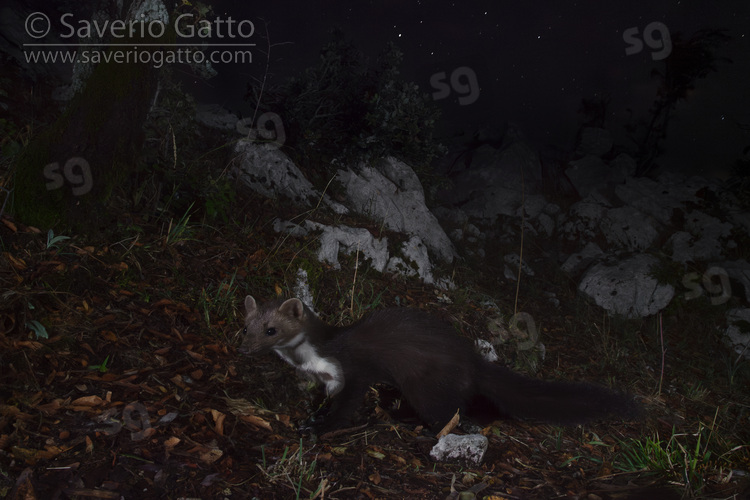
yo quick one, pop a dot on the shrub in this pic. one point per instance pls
(341, 110)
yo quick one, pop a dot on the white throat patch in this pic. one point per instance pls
(299, 353)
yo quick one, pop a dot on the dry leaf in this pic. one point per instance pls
(87, 401)
(50, 408)
(196, 356)
(31, 456)
(218, 421)
(105, 319)
(177, 380)
(14, 412)
(449, 426)
(207, 455)
(9, 225)
(108, 335)
(219, 348)
(256, 421)
(211, 456)
(257, 257)
(144, 434)
(28, 343)
(170, 443)
(19, 264)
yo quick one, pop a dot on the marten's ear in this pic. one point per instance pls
(250, 305)
(292, 307)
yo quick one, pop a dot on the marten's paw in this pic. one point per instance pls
(318, 423)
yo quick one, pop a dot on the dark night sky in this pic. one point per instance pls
(533, 62)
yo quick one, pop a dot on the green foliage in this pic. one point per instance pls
(181, 230)
(687, 459)
(38, 328)
(53, 240)
(217, 302)
(183, 157)
(219, 198)
(399, 118)
(293, 471)
(101, 368)
(345, 111)
(691, 60)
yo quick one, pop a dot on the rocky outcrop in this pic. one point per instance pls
(269, 172)
(388, 193)
(621, 234)
(627, 287)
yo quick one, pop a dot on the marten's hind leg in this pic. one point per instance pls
(436, 402)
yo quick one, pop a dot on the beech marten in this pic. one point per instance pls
(436, 370)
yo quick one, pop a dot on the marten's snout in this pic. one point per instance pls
(248, 346)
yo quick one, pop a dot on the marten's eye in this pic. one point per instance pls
(271, 331)
(244, 331)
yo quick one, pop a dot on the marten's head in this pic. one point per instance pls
(272, 325)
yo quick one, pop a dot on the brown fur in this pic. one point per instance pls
(436, 371)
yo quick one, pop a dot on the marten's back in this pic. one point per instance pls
(398, 342)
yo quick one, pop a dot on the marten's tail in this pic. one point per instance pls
(564, 403)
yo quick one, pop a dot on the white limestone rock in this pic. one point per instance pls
(737, 334)
(628, 228)
(659, 198)
(269, 172)
(582, 221)
(417, 261)
(393, 195)
(627, 288)
(496, 182)
(579, 261)
(215, 116)
(334, 240)
(469, 448)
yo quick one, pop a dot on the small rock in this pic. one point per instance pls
(469, 448)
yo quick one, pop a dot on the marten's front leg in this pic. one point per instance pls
(342, 406)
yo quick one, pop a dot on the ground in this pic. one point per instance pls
(120, 378)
